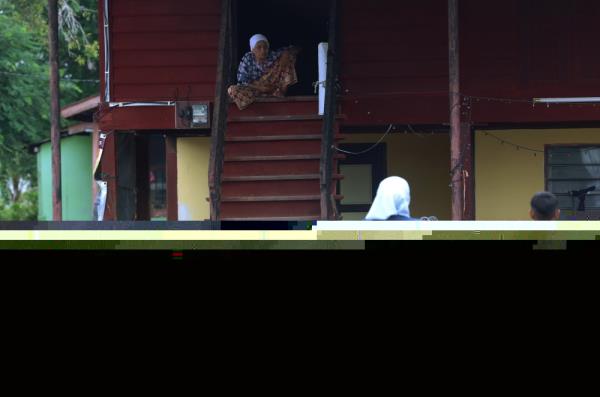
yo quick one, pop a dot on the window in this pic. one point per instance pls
(573, 175)
(362, 174)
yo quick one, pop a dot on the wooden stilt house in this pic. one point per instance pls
(446, 93)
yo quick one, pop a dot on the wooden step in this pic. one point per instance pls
(267, 168)
(275, 108)
(258, 210)
(274, 218)
(265, 138)
(273, 148)
(313, 197)
(290, 177)
(271, 188)
(299, 98)
(302, 127)
(281, 158)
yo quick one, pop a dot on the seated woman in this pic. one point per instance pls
(391, 202)
(263, 72)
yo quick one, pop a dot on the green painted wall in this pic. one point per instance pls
(44, 161)
(76, 158)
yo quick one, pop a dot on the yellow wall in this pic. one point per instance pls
(507, 178)
(192, 178)
(424, 161)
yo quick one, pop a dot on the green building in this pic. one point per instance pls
(76, 165)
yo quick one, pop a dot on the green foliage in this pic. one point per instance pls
(24, 86)
(24, 109)
(26, 209)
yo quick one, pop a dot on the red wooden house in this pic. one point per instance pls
(389, 72)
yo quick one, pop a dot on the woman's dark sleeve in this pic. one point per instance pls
(242, 76)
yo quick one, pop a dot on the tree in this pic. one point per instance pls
(24, 92)
(24, 100)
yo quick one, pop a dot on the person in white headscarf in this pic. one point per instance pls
(263, 72)
(391, 202)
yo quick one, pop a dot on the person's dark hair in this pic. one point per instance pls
(544, 205)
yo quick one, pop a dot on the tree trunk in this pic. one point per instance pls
(16, 192)
(54, 109)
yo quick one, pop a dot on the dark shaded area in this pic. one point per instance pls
(287, 22)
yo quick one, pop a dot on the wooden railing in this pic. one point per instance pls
(215, 169)
(329, 118)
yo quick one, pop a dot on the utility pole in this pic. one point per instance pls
(456, 167)
(54, 109)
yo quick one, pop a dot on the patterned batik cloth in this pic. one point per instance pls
(281, 75)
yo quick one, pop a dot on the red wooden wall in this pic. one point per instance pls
(530, 48)
(394, 59)
(160, 51)
(164, 50)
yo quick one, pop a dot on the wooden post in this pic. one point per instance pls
(142, 180)
(468, 171)
(215, 166)
(54, 109)
(456, 148)
(109, 171)
(171, 166)
(95, 136)
(329, 116)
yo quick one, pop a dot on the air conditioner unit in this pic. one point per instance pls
(192, 115)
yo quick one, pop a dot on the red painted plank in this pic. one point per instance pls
(297, 167)
(173, 58)
(281, 148)
(162, 75)
(275, 128)
(518, 113)
(270, 188)
(402, 110)
(162, 7)
(165, 41)
(165, 92)
(271, 209)
(165, 23)
(399, 86)
(139, 118)
(398, 69)
(275, 109)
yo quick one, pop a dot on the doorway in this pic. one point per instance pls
(303, 23)
(141, 181)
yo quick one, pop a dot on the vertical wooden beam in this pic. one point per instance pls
(95, 136)
(109, 174)
(220, 111)
(54, 109)
(142, 180)
(329, 116)
(171, 165)
(456, 152)
(467, 139)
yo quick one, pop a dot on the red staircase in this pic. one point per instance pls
(272, 157)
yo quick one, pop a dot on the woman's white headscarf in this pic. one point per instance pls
(393, 198)
(255, 39)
